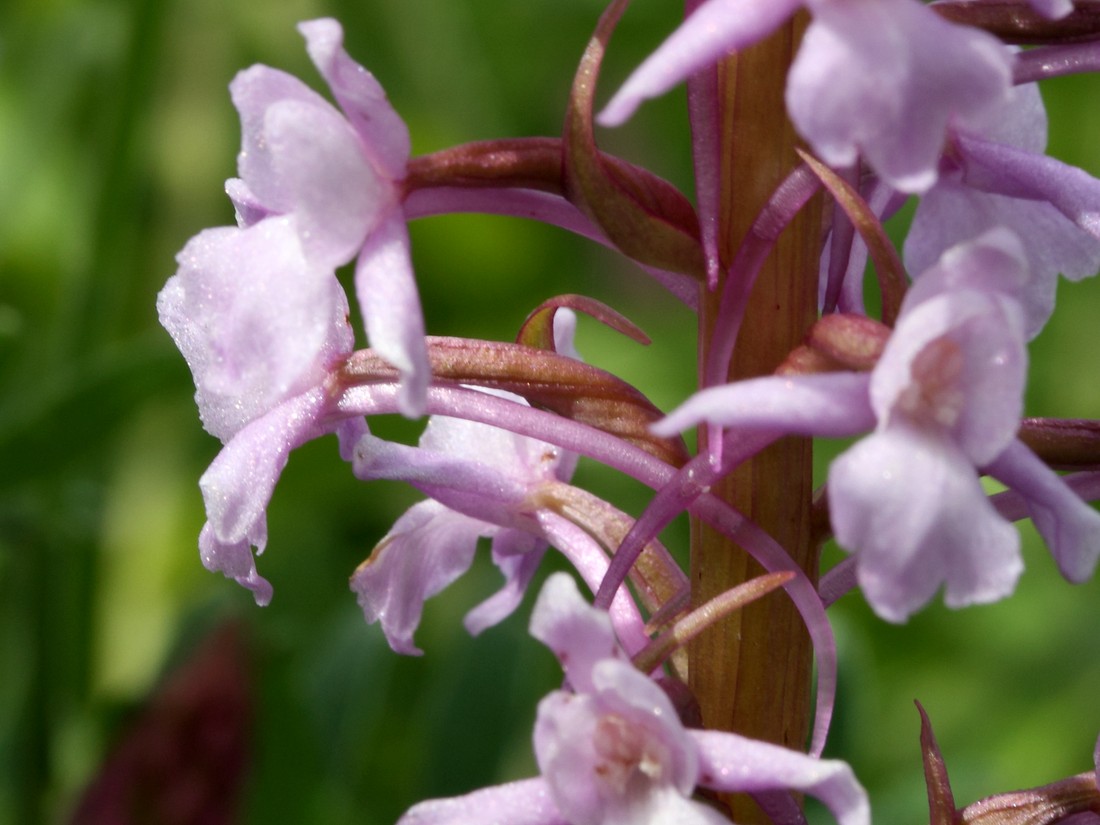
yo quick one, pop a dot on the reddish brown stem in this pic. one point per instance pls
(751, 672)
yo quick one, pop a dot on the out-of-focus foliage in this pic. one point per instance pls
(116, 132)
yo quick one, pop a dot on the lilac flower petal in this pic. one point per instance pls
(665, 806)
(385, 136)
(884, 78)
(829, 404)
(911, 506)
(957, 361)
(577, 633)
(732, 763)
(1052, 9)
(427, 549)
(526, 802)
(235, 560)
(617, 755)
(952, 213)
(238, 486)
(254, 91)
(1018, 173)
(1020, 121)
(565, 333)
(992, 263)
(246, 206)
(620, 685)
(333, 191)
(482, 499)
(487, 474)
(349, 431)
(517, 455)
(238, 483)
(481, 491)
(590, 561)
(715, 29)
(1004, 179)
(386, 289)
(565, 747)
(256, 322)
(518, 570)
(1069, 526)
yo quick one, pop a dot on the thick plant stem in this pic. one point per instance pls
(752, 672)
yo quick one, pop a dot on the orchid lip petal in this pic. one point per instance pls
(913, 509)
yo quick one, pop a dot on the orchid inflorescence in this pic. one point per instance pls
(891, 100)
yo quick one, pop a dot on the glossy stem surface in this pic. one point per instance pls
(752, 672)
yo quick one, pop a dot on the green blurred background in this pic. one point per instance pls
(116, 133)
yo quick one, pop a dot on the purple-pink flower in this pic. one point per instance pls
(611, 749)
(257, 310)
(996, 174)
(484, 483)
(338, 174)
(881, 79)
(945, 401)
(260, 324)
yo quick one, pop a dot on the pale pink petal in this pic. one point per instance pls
(614, 754)
(333, 191)
(254, 91)
(247, 206)
(625, 690)
(952, 213)
(590, 561)
(519, 566)
(1069, 526)
(237, 486)
(829, 404)
(516, 455)
(427, 549)
(385, 136)
(235, 560)
(1052, 9)
(577, 633)
(386, 288)
(565, 746)
(884, 78)
(256, 321)
(526, 802)
(999, 176)
(911, 506)
(956, 364)
(1007, 170)
(1020, 121)
(732, 763)
(475, 489)
(714, 29)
